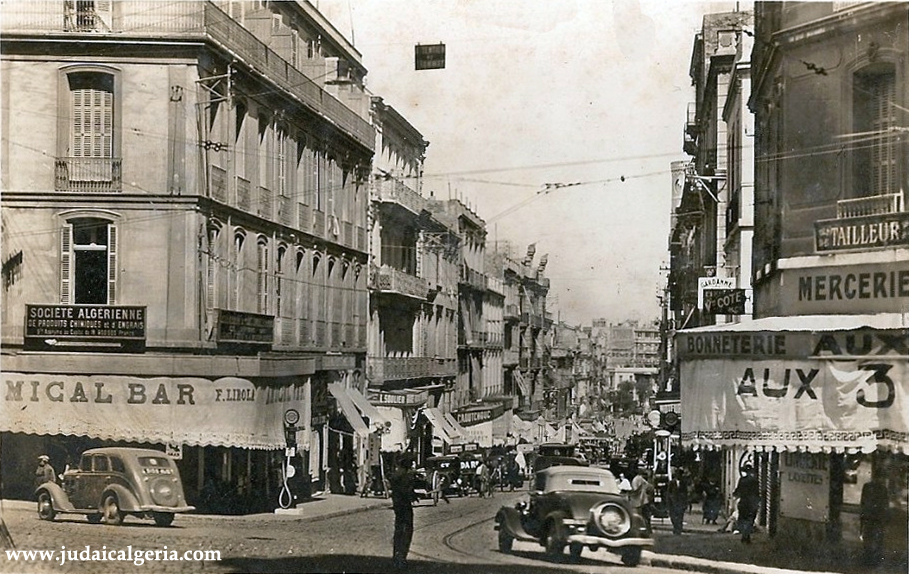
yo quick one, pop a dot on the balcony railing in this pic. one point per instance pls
(186, 21)
(264, 202)
(218, 184)
(399, 368)
(244, 196)
(318, 223)
(873, 205)
(473, 278)
(87, 174)
(510, 357)
(304, 217)
(395, 191)
(391, 280)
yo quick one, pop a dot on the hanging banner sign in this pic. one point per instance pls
(168, 410)
(811, 403)
(429, 57)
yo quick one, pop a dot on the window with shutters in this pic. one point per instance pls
(88, 262)
(237, 270)
(282, 142)
(262, 269)
(88, 143)
(215, 266)
(876, 151)
(280, 281)
(88, 15)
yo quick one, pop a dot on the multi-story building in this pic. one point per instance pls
(820, 372)
(412, 344)
(698, 242)
(525, 356)
(184, 238)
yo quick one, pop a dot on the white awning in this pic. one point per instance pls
(522, 383)
(351, 413)
(441, 428)
(458, 428)
(816, 383)
(367, 409)
(195, 411)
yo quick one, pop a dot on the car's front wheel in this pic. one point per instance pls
(555, 539)
(164, 518)
(575, 549)
(631, 555)
(506, 540)
(112, 513)
(46, 506)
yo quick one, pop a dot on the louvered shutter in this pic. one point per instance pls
(111, 264)
(104, 15)
(66, 267)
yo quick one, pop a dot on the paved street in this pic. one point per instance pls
(352, 536)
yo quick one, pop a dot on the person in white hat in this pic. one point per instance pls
(44, 472)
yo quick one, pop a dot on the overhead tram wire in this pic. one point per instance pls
(550, 187)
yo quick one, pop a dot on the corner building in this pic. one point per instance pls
(819, 378)
(184, 239)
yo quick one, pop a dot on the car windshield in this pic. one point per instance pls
(578, 481)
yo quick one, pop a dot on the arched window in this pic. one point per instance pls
(88, 262)
(87, 142)
(214, 264)
(237, 267)
(280, 282)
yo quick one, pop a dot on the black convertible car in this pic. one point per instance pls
(578, 507)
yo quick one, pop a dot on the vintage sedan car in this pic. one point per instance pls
(553, 454)
(111, 483)
(578, 507)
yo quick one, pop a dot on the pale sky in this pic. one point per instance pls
(548, 92)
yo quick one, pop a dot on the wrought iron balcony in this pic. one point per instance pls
(380, 369)
(397, 192)
(390, 280)
(87, 174)
(873, 205)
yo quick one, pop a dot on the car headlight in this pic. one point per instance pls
(163, 492)
(611, 519)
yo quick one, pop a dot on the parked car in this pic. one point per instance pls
(578, 507)
(111, 483)
(552, 454)
(448, 468)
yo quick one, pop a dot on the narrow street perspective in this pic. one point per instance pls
(464, 286)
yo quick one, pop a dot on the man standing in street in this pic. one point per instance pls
(748, 491)
(677, 497)
(874, 504)
(402, 497)
(641, 494)
(44, 472)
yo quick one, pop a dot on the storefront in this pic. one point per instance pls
(486, 424)
(227, 433)
(820, 403)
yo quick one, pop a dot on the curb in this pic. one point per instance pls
(679, 562)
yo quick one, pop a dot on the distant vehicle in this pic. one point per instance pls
(577, 507)
(111, 483)
(552, 454)
(448, 468)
